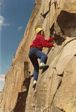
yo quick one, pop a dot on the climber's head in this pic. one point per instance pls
(39, 31)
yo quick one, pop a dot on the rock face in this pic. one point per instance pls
(56, 87)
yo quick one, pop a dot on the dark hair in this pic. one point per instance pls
(42, 32)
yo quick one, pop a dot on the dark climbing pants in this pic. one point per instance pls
(34, 54)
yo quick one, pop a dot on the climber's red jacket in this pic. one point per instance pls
(40, 42)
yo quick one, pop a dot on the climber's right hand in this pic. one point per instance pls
(54, 44)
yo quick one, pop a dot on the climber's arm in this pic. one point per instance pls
(46, 43)
(51, 39)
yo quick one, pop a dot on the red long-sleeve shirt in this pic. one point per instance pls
(40, 42)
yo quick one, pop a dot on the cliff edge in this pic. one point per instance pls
(56, 87)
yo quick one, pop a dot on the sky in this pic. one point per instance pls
(14, 16)
(2, 80)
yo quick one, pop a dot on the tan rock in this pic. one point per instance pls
(56, 87)
(66, 96)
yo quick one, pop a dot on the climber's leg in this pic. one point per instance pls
(41, 56)
(35, 64)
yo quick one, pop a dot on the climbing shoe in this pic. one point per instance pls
(34, 84)
(42, 65)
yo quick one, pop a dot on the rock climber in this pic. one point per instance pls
(36, 52)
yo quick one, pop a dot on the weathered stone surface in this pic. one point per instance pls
(0, 96)
(66, 95)
(56, 87)
(67, 54)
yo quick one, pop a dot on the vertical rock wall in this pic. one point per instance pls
(55, 91)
